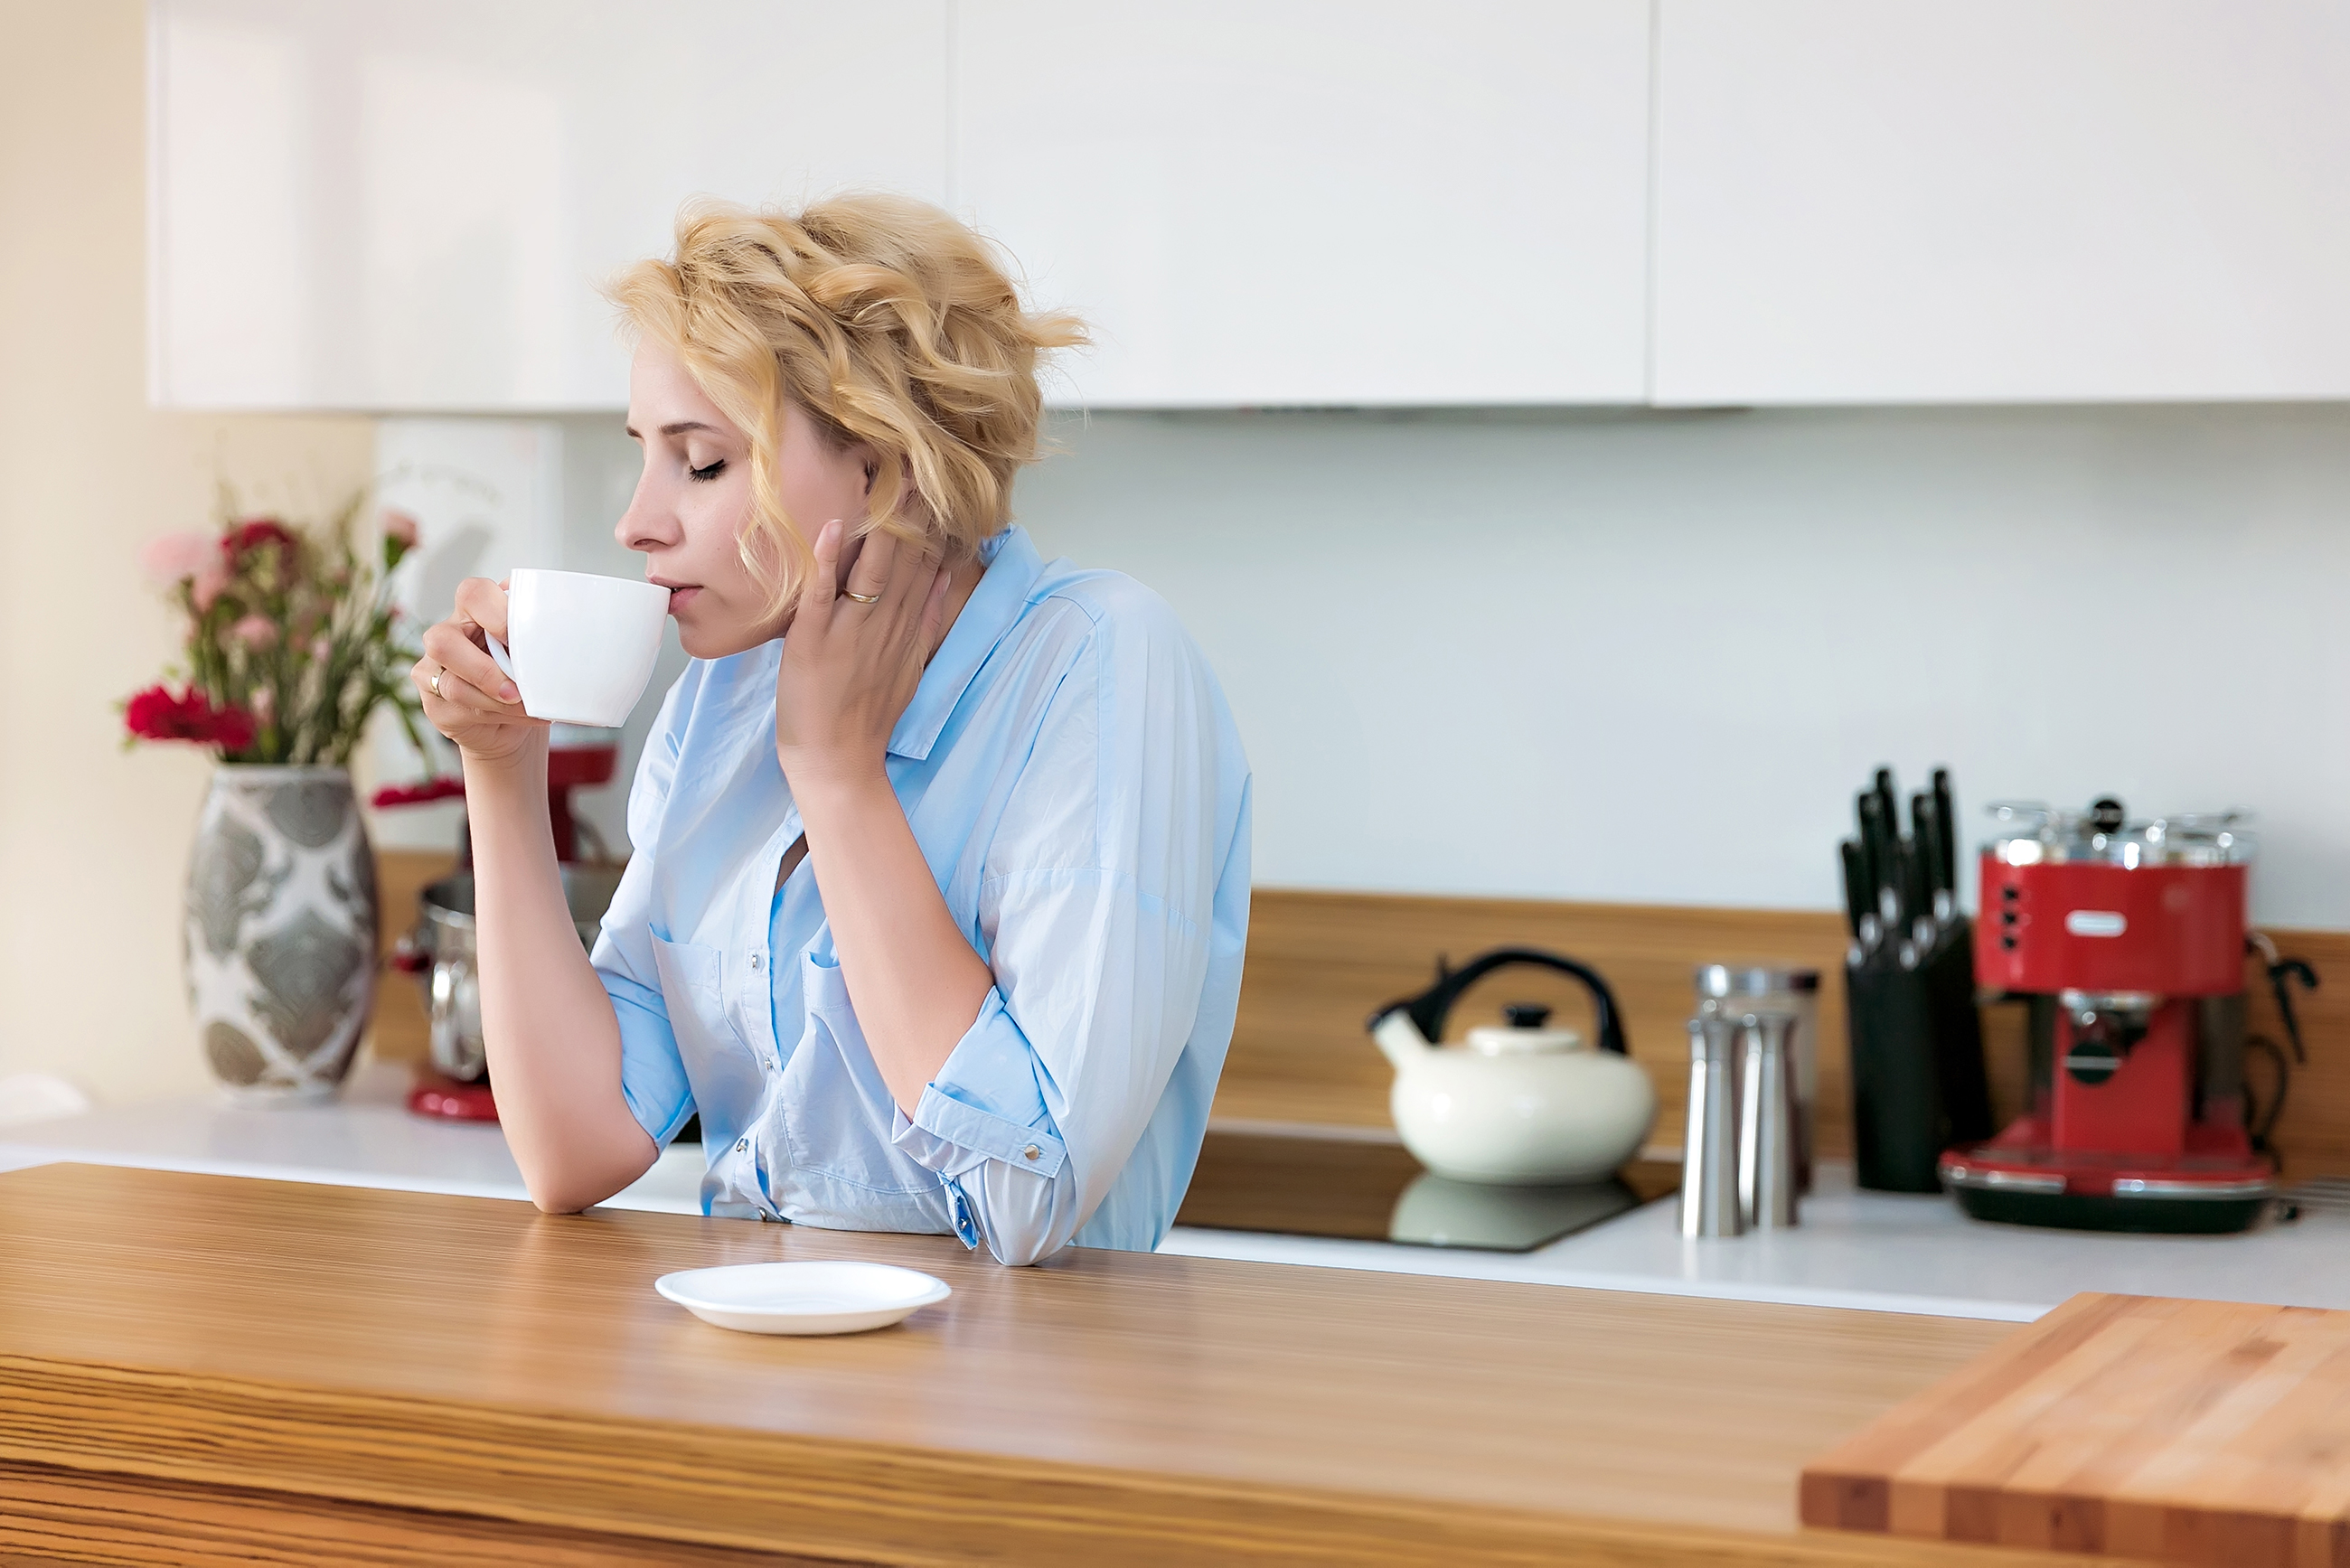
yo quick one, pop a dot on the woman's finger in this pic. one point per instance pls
(815, 613)
(909, 583)
(934, 607)
(483, 603)
(869, 576)
(449, 649)
(459, 699)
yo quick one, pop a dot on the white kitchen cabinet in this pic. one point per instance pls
(1930, 200)
(1285, 201)
(408, 206)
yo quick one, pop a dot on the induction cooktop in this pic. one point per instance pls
(1361, 1184)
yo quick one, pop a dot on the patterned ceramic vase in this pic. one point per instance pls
(281, 931)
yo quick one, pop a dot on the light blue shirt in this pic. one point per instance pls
(1072, 775)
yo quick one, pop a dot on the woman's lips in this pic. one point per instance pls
(681, 597)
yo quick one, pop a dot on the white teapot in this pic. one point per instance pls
(1522, 1104)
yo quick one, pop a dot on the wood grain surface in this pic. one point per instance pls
(2200, 1432)
(401, 1031)
(238, 1340)
(1319, 963)
(50, 1515)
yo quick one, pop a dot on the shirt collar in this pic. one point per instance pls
(993, 609)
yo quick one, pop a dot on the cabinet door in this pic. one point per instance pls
(1949, 201)
(1260, 202)
(408, 206)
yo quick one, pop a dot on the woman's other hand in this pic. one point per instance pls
(850, 667)
(466, 696)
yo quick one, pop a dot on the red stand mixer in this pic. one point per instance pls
(2126, 940)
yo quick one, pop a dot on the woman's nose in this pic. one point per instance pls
(646, 525)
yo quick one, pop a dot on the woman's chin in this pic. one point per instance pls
(703, 640)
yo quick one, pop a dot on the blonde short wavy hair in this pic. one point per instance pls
(887, 322)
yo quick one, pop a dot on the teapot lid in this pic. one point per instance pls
(1524, 1034)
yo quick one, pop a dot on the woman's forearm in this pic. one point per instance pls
(554, 1043)
(915, 982)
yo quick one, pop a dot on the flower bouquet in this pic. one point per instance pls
(293, 643)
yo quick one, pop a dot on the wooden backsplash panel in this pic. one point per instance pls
(1319, 963)
(403, 1029)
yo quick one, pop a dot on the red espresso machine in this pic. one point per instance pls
(2126, 940)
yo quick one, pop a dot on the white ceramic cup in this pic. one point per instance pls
(580, 647)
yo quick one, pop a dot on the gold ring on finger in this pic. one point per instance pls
(860, 599)
(435, 683)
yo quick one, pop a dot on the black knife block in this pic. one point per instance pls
(1918, 1080)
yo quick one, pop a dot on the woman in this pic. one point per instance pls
(941, 852)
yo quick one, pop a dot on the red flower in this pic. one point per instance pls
(447, 787)
(155, 714)
(254, 533)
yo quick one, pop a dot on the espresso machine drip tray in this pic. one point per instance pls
(1360, 1184)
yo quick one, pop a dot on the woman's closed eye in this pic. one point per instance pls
(704, 476)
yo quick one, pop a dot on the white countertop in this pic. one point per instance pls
(1869, 1251)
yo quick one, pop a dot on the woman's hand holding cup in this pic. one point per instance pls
(466, 696)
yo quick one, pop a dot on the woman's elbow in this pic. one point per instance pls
(1017, 1251)
(567, 1186)
(1024, 1228)
(554, 1195)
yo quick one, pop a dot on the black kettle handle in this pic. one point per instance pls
(1430, 1007)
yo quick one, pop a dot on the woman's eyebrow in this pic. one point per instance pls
(678, 429)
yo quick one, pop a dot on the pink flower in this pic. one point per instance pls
(254, 632)
(320, 647)
(176, 557)
(264, 703)
(210, 579)
(400, 529)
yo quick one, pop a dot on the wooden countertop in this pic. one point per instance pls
(188, 1363)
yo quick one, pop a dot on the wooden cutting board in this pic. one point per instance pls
(2180, 1431)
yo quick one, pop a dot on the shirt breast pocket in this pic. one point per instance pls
(839, 1112)
(718, 1063)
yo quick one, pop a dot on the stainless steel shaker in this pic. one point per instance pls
(1766, 1125)
(1737, 989)
(1710, 1150)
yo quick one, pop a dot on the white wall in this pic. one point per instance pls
(94, 840)
(1649, 657)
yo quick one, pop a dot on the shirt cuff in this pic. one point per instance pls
(984, 1104)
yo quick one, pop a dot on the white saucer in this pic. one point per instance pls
(802, 1298)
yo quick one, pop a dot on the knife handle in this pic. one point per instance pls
(1879, 840)
(1855, 884)
(1925, 825)
(1948, 815)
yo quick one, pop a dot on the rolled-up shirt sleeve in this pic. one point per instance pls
(652, 1071)
(1095, 919)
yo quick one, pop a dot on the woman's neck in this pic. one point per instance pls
(962, 581)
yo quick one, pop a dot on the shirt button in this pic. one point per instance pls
(754, 961)
(1030, 1152)
(740, 1143)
